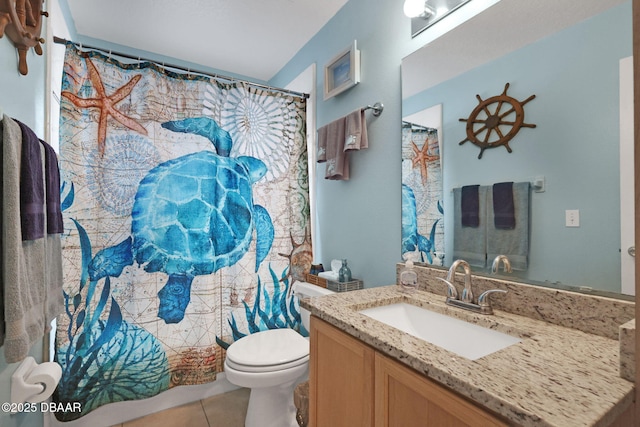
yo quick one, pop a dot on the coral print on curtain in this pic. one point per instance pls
(422, 212)
(186, 220)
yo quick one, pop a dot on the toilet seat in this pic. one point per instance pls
(267, 351)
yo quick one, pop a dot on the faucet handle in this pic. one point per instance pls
(452, 292)
(483, 299)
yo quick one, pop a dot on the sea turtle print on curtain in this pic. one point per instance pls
(186, 210)
(192, 216)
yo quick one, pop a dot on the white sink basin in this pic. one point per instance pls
(465, 339)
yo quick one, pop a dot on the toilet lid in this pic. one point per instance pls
(268, 348)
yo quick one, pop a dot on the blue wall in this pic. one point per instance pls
(360, 219)
(575, 77)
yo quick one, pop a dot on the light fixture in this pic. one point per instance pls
(424, 13)
(415, 8)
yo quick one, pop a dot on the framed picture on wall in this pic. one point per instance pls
(342, 72)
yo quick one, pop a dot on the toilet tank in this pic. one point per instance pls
(307, 290)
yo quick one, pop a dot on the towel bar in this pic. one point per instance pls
(377, 108)
(537, 185)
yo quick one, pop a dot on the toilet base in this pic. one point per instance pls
(271, 399)
(272, 406)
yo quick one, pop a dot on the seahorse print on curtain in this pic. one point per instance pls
(186, 220)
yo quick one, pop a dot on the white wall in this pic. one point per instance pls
(22, 98)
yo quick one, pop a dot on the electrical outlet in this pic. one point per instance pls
(572, 218)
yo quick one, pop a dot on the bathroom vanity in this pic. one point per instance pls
(353, 384)
(364, 372)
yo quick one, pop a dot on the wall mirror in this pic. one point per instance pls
(575, 57)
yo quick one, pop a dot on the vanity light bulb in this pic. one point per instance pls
(413, 8)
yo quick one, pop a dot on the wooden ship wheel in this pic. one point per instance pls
(495, 121)
(21, 21)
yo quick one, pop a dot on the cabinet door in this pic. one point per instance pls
(404, 398)
(340, 378)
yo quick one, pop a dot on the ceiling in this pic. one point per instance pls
(251, 38)
(257, 38)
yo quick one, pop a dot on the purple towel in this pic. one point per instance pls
(503, 209)
(52, 184)
(32, 215)
(470, 206)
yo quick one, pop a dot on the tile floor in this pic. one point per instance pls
(223, 410)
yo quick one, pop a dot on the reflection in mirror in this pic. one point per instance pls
(425, 13)
(422, 210)
(571, 60)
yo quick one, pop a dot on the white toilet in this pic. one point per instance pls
(271, 363)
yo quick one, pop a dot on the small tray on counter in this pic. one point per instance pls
(352, 285)
(316, 280)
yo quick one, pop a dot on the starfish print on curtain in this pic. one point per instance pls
(422, 212)
(106, 104)
(422, 158)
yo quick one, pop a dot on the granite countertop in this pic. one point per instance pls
(556, 376)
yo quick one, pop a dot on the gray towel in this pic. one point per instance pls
(331, 139)
(470, 243)
(32, 269)
(513, 243)
(355, 130)
(337, 138)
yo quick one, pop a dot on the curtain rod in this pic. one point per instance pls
(59, 40)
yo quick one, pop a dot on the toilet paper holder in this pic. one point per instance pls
(32, 382)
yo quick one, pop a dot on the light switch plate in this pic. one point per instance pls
(572, 218)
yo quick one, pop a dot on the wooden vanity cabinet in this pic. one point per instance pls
(403, 397)
(340, 378)
(351, 384)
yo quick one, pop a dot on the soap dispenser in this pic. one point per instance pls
(344, 274)
(408, 277)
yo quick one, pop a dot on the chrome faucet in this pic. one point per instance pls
(467, 293)
(483, 305)
(496, 264)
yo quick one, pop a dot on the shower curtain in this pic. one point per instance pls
(422, 207)
(186, 210)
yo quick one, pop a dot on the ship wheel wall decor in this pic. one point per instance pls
(495, 121)
(21, 21)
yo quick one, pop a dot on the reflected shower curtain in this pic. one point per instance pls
(186, 220)
(422, 207)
